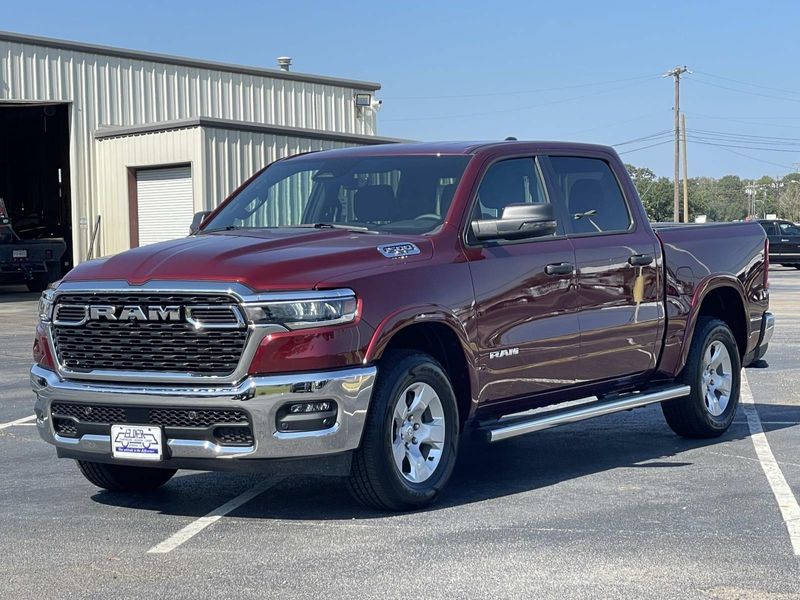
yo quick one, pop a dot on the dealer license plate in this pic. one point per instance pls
(136, 442)
(19, 254)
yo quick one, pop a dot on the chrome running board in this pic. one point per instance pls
(503, 430)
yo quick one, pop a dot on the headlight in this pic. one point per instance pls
(45, 311)
(304, 313)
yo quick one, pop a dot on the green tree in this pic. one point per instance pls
(655, 192)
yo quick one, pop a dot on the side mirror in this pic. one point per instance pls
(197, 220)
(519, 221)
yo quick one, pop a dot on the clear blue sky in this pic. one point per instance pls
(586, 71)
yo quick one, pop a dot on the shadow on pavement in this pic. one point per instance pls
(483, 471)
(17, 293)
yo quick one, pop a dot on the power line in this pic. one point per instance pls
(513, 109)
(740, 91)
(777, 139)
(645, 147)
(615, 123)
(645, 138)
(522, 92)
(716, 142)
(756, 85)
(774, 164)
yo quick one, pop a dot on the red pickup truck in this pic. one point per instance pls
(354, 312)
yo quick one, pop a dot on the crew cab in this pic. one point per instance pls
(354, 312)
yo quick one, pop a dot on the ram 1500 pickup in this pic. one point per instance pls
(353, 312)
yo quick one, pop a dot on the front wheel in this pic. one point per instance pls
(410, 438)
(713, 371)
(122, 478)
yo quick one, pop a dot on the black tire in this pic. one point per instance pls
(122, 478)
(375, 480)
(688, 416)
(796, 266)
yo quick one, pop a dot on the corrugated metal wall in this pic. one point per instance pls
(233, 156)
(116, 91)
(113, 158)
(221, 160)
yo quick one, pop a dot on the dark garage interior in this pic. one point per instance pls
(35, 185)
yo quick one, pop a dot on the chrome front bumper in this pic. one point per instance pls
(767, 329)
(260, 396)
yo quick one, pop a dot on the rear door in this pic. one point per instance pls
(528, 336)
(617, 259)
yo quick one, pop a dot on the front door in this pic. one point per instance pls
(528, 335)
(621, 310)
(786, 245)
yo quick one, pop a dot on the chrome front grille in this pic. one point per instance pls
(208, 339)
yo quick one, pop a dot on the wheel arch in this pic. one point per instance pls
(437, 332)
(723, 298)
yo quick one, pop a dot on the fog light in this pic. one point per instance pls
(306, 416)
(310, 407)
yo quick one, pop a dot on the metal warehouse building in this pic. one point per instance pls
(143, 141)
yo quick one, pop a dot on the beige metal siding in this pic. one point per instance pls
(116, 155)
(106, 90)
(233, 156)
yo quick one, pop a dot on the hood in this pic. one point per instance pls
(260, 259)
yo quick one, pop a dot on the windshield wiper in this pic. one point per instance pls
(226, 228)
(358, 228)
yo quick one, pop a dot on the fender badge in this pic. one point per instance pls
(398, 250)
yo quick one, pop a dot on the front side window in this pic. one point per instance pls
(393, 194)
(592, 194)
(513, 181)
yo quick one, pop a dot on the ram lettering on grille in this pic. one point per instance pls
(198, 335)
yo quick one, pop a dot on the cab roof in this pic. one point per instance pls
(451, 148)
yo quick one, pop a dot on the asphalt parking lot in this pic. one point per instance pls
(615, 507)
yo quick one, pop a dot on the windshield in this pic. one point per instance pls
(393, 194)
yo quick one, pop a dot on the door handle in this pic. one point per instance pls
(641, 260)
(559, 269)
(784, 240)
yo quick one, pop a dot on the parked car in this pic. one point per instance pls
(354, 312)
(784, 242)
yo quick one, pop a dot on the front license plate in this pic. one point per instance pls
(136, 442)
(19, 254)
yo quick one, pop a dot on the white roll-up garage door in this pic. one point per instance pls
(165, 204)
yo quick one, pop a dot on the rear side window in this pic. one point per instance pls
(592, 194)
(769, 228)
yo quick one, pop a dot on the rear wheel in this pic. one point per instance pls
(713, 370)
(410, 438)
(796, 266)
(122, 478)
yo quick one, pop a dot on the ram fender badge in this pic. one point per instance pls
(503, 353)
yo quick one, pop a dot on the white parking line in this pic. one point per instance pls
(21, 421)
(790, 511)
(195, 527)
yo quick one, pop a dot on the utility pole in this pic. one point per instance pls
(685, 171)
(676, 73)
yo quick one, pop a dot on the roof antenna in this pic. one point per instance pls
(510, 138)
